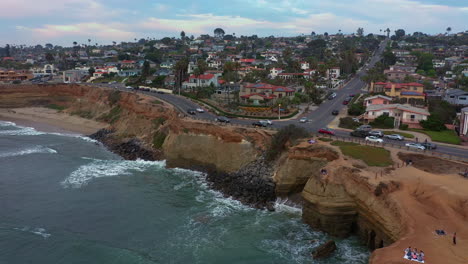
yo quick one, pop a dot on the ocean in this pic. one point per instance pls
(65, 198)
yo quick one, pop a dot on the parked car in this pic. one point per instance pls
(415, 146)
(365, 128)
(160, 92)
(191, 111)
(332, 96)
(259, 124)
(352, 95)
(345, 102)
(222, 119)
(200, 110)
(358, 133)
(335, 112)
(395, 137)
(355, 119)
(129, 87)
(326, 131)
(376, 133)
(374, 139)
(303, 120)
(428, 145)
(268, 122)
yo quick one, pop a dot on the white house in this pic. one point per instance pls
(274, 72)
(305, 65)
(403, 114)
(333, 73)
(201, 81)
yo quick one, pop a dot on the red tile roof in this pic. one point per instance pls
(259, 94)
(265, 86)
(202, 77)
(247, 60)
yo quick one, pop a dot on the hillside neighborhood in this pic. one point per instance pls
(421, 82)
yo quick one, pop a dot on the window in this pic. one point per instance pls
(412, 116)
(370, 101)
(462, 98)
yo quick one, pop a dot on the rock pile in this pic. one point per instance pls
(252, 184)
(131, 149)
(324, 250)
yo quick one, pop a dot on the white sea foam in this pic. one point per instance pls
(6, 123)
(37, 231)
(106, 168)
(36, 149)
(286, 206)
(22, 131)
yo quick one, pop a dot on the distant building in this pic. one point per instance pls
(456, 97)
(403, 114)
(263, 92)
(129, 72)
(377, 100)
(333, 73)
(464, 122)
(15, 75)
(203, 80)
(399, 90)
(74, 76)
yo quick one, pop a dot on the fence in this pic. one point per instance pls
(454, 157)
(229, 124)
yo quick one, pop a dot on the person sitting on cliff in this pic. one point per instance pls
(421, 256)
(407, 250)
(323, 171)
(414, 255)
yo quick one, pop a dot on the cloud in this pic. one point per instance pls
(111, 31)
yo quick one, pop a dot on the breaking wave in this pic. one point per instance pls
(107, 168)
(33, 150)
(37, 231)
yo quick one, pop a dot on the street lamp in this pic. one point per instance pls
(279, 111)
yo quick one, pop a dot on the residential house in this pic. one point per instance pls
(263, 92)
(74, 76)
(377, 100)
(47, 70)
(128, 64)
(438, 63)
(110, 53)
(305, 65)
(397, 75)
(399, 90)
(333, 73)
(464, 122)
(456, 97)
(15, 75)
(274, 72)
(129, 72)
(403, 114)
(169, 64)
(215, 64)
(203, 80)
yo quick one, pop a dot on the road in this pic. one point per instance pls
(317, 119)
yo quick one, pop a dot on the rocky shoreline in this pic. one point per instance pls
(252, 185)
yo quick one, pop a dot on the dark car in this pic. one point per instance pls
(376, 133)
(332, 96)
(429, 145)
(222, 119)
(359, 133)
(191, 111)
(259, 124)
(335, 112)
(345, 102)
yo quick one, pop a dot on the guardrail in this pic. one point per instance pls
(230, 124)
(397, 146)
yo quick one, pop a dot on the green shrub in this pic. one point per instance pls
(403, 127)
(356, 109)
(158, 139)
(114, 97)
(289, 133)
(112, 116)
(372, 156)
(383, 121)
(56, 107)
(157, 122)
(83, 114)
(325, 139)
(433, 123)
(348, 122)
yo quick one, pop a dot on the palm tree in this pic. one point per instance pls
(448, 30)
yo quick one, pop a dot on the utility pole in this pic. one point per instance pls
(279, 111)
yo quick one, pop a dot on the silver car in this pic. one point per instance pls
(415, 146)
(394, 137)
(303, 120)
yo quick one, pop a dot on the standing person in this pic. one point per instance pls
(455, 238)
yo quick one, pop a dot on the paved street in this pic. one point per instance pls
(318, 118)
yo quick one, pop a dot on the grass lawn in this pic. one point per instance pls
(446, 136)
(372, 156)
(325, 139)
(406, 135)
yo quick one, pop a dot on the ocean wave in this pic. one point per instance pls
(33, 150)
(6, 123)
(22, 131)
(37, 231)
(106, 168)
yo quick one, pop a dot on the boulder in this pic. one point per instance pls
(324, 250)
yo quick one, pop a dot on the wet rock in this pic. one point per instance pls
(324, 250)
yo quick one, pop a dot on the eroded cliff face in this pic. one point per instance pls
(343, 202)
(300, 163)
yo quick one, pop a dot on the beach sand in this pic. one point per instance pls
(50, 120)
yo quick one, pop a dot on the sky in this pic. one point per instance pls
(61, 22)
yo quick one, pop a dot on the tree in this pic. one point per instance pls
(325, 34)
(91, 71)
(433, 123)
(219, 33)
(49, 57)
(182, 35)
(7, 50)
(180, 72)
(389, 58)
(313, 34)
(145, 71)
(166, 41)
(448, 30)
(360, 32)
(388, 32)
(49, 46)
(399, 34)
